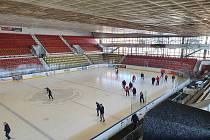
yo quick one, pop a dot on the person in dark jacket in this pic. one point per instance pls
(102, 113)
(157, 81)
(142, 75)
(7, 130)
(135, 120)
(130, 85)
(116, 70)
(173, 78)
(123, 84)
(97, 108)
(166, 78)
(134, 91)
(153, 81)
(49, 93)
(141, 97)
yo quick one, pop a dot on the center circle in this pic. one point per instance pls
(60, 95)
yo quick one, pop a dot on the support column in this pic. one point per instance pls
(205, 51)
(182, 50)
(204, 54)
(182, 53)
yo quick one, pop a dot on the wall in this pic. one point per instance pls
(204, 62)
(44, 31)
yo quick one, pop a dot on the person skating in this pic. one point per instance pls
(123, 84)
(133, 78)
(97, 108)
(102, 113)
(157, 81)
(135, 120)
(116, 70)
(162, 73)
(7, 130)
(49, 93)
(126, 91)
(173, 79)
(166, 78)
(153, 81)
(130, 85)
(141, 97)
(134, 91)
(142, 75)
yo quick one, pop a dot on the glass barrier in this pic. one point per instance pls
(29, 69)
(136, 134)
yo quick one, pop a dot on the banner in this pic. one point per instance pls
(14, 29)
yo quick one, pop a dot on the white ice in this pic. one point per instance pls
(72, 114)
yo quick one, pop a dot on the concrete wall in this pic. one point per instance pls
(44, 31)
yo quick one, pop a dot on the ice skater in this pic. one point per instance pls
(133, 78)
(157, 81)
(162, 73)
(135, 120)
(166, 78)
(123, 84)
(130, 85)
(97, 108)
(141, 97)
(49, 93)
(126, 91)
(134, 91)
(142, 76)
(153, 81)
(102, 113)
(7, 130)
(116, 70)
(173, 78)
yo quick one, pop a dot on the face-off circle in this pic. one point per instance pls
(60, 95)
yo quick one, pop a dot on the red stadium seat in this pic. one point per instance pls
(15, 44)
(85, 42)
(183, 64)
(16, 62)
(53, 44)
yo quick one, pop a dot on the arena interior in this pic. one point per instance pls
(145, 62)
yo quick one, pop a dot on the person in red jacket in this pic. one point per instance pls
(127, 91)
(157, 81)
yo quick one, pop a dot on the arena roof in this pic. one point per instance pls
(182, 17)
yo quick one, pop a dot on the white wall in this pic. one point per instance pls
(44, 31)
(204, 62)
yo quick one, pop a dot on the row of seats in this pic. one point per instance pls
(19, 62)
(96, 58)
(20, 44)
(15, 44)
(183, 64)
(67, 60)
(53, 44)
(85, 42)
(112, 58)
(14, 51)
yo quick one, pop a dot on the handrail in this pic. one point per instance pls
(170, 92)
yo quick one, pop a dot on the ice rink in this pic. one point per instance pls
(72, 114)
